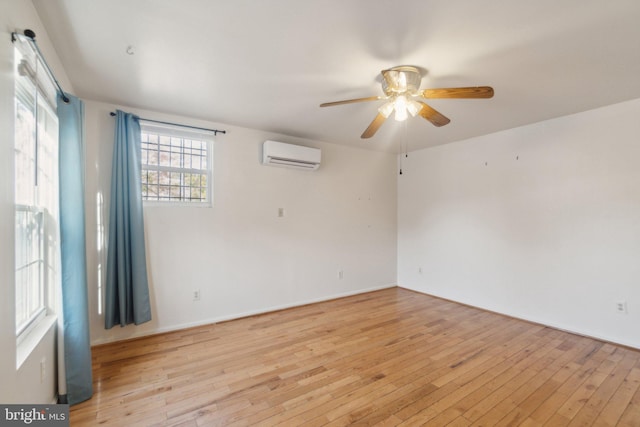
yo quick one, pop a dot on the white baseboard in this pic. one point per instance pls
(541, 322)
(219, 319)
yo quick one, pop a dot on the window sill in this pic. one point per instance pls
(33, 338)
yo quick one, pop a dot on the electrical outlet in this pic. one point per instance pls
(196, 295)
(621, 307)
(280, 212)
(340, 274)
(419, 270)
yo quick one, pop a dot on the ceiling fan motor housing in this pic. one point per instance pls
(404, 79)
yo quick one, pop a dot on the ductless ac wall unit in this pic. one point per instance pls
(290, 156)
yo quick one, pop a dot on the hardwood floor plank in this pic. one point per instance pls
(390, 358)
(615, 408)
(569, 379)
(631, 415)
(606, 390)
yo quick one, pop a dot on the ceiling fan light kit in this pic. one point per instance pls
(401, 85)
(401, 105)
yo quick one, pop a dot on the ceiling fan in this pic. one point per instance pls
(401, 87)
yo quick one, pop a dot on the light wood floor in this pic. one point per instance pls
(392, 357)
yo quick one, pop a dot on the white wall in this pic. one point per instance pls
(548, 230)
(21, 385)
(240, 255)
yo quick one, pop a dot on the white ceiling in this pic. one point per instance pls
(268, 64)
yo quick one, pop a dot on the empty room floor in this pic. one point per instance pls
(390, 357)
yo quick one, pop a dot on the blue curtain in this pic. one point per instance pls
(126, 288)
(75, 310)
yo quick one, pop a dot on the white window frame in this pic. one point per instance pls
(36, 198)
(176, 131)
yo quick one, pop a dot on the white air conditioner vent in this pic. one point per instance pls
(290, 156)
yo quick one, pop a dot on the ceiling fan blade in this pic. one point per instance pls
(459, 92)
(432, 115)
(374, 126)
(352, 101)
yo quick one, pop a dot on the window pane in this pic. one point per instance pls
(164, 177)
(149, 185)
(164, 149)
(25, 156)
(47, 158)
(169, 163)
(164, 192)
(29, 295)
(36, 243)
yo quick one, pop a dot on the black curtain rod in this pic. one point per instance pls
(215, 131)
(30, 36)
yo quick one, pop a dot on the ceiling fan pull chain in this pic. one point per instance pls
(406, 146)
(400, 158)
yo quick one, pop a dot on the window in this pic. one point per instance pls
(36, 191)
(176, 165)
